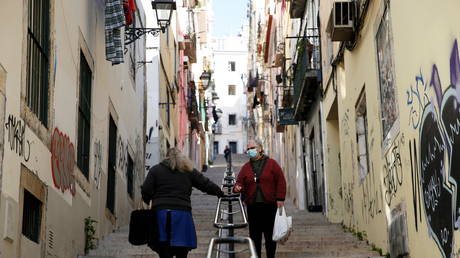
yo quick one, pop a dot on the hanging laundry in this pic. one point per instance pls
(114, 21)
(129, 6)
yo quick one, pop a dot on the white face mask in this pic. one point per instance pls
(252, 153)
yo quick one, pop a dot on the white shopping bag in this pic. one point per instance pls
(282, 227)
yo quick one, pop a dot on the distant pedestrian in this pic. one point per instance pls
(169, 186)
(227, 154)
(262, 182)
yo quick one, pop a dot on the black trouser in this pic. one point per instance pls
(166, 251)
(261, 218)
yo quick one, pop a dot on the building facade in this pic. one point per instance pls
(371, 133)
(230, 71)
(72, 145)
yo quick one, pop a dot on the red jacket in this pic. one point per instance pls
(272, 182)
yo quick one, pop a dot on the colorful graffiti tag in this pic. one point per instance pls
(440, 142)
(62, 162)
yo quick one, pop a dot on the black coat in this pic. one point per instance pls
(172, 189)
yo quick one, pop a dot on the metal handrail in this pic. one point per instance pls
(228, 183)
(231, 240)
(220, 225)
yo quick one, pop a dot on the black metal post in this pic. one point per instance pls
(231, 246)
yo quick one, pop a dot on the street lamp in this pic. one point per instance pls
(163, 10)
(205, 78)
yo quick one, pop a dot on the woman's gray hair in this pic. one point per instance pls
(258, 142)
(178, 161)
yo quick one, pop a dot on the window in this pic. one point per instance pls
(31, 217)
(361, 136)
(130, 176)
(232, 119)
(216, 148)
(38, 59)
(84, 116)
(388, 104)
(110, 204)
(231, 66)
(231, 90)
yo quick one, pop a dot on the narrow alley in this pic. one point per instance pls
(355, 102)
(312, 235)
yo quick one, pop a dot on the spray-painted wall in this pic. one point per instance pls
(43, 159)
(406, 62)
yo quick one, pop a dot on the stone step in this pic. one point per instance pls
(312, 235)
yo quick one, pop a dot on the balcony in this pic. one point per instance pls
(217, 128)
(307, 75)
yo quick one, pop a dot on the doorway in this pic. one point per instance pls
(215, 149)
(233, 147)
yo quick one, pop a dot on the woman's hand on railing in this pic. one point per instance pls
(237, 188)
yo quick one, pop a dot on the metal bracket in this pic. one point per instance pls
(132, 34)
(166, 103)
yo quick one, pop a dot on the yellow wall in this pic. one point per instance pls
(424, 36)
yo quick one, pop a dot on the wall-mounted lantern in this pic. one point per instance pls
(163, 10)
(205, 79)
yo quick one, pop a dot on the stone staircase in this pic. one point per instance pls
(312, 235)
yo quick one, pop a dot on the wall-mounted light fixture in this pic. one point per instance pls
(205, 79)
(163, 10)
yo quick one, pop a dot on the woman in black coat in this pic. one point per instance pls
(169, 186)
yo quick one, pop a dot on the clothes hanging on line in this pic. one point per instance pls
(129, 7)
(114, 21)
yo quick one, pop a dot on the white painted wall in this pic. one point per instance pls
(75, 26)
(153, 90)
(232, 48)
(153, 114)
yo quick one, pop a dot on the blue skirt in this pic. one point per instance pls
(176, 227)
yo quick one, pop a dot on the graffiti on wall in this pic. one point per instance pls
(122, 154)
(417, 99)
(393, 173)
(63, 162)
(345, 123)
(435, 169)
(97, 163)
(415, 183)
(16, 131)
(372, 198)
(348, 197)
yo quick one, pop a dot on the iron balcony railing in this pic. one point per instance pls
(308, 60)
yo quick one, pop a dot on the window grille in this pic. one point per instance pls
(84, 116)
(31, 217)
(38, 58)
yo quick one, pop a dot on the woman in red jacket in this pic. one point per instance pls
(262, 182)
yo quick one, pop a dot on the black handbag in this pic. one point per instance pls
(142, 226)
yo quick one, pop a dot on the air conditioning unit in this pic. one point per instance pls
(341, 21)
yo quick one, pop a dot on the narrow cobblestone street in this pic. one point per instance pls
(312, 236)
